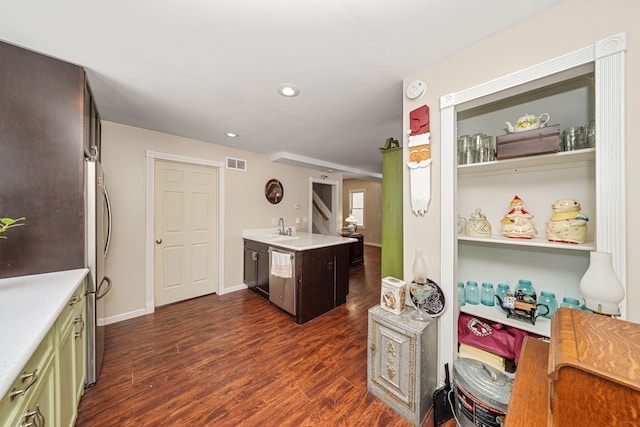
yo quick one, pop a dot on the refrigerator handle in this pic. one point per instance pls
(108, 238)
(99, 292)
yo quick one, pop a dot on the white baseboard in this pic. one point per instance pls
(232, 289)
(121, 317)
(148, 310)
(377, 245)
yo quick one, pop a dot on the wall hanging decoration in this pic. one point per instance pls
(420, 159)
(273, 191)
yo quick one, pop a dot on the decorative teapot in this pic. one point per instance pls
(528, 122)
(521, 306)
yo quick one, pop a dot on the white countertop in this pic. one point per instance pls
(29, 306)
(299, 241)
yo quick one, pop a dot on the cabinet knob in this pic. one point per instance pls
(158, 240)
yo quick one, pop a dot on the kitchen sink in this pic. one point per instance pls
(278, 237)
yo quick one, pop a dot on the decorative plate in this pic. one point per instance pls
(434, 303)
(273, 191)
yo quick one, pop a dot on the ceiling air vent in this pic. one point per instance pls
(237, 164)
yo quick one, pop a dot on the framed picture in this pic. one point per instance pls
(274, 191)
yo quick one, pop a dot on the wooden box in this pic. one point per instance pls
(594, 370)
(528, 143)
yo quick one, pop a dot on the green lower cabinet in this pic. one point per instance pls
(48, 390)
(70, 359)
(31, 399)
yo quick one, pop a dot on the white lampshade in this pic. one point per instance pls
(353, 222)
(602, 290)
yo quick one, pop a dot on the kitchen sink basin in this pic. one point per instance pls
(278, 237)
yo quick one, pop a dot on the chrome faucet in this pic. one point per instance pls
(281, 224)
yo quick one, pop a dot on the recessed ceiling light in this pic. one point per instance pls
(231, 134)
(288, 90)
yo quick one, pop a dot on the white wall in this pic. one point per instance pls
(245, 206)
(571, 25)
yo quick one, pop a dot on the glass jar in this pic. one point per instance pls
(549, 299)
(487, 294)
(527, 289)
(478, 144)
(465, 150)
(570, 303)
(472, 293)
(461, 294)
(502, 291)
(590, 130)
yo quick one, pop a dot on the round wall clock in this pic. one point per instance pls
(416, 89)
(274, 191)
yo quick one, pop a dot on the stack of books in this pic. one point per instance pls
(494, 360)
(346, 231)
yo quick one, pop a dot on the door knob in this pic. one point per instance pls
(158, 240)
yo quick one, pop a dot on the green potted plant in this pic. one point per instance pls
(7, 223)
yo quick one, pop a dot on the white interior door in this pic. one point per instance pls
(186, 236)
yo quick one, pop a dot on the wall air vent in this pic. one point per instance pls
(237, 164)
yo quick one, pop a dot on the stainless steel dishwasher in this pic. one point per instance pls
(282, 290)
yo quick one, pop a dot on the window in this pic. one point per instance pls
(356, 205)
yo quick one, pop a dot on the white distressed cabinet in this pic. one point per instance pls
(402, 362)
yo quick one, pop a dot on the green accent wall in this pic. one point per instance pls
(392, 243)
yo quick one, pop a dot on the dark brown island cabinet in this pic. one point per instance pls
(321, 276)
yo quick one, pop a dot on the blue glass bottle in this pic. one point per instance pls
(472, 293)
(461, 294)
(488, 294)
(549, 299)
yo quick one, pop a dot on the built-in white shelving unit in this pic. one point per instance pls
(584, 85)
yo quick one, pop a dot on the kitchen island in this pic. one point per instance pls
(319, 279)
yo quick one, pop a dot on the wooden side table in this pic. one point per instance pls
(402, 362)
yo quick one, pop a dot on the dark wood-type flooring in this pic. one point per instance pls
(237, 360)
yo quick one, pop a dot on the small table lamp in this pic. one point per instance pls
(353, 222)
(602, 290)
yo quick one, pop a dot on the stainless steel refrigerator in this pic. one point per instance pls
(98, 237)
